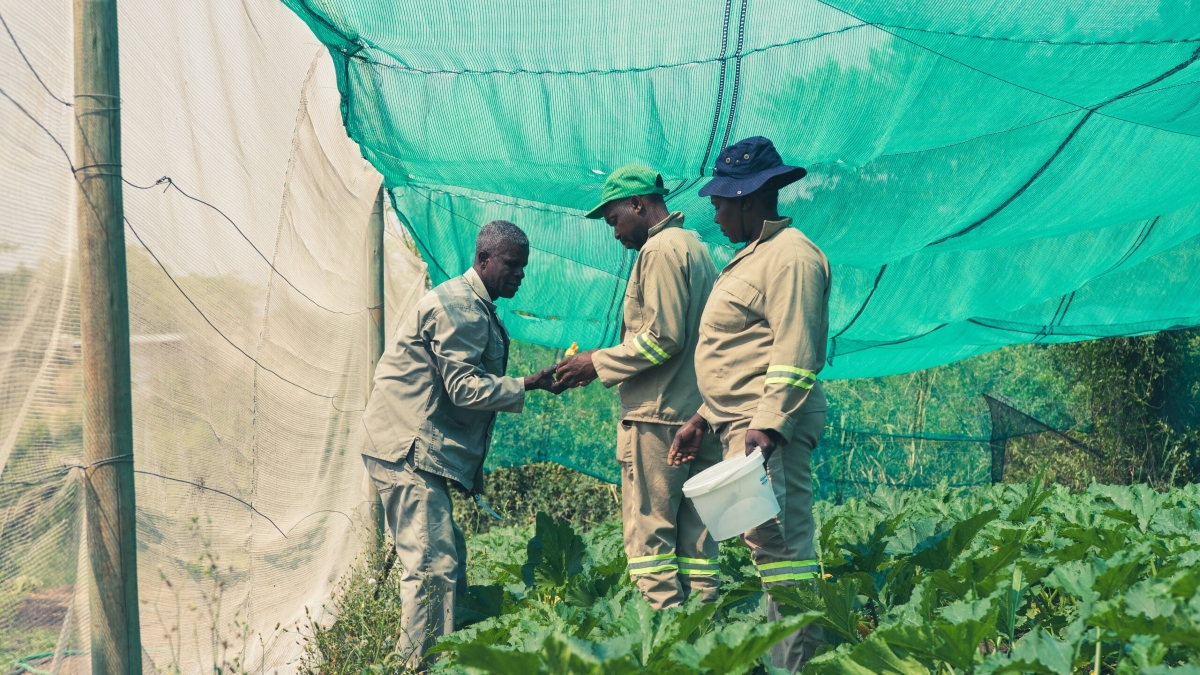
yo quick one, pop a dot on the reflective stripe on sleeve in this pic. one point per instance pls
(650, 349)
(698, 567)
(788, 570)
(796, 377)
(652, 563)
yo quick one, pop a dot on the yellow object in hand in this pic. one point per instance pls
(573, 349)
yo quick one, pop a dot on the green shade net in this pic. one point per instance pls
(914, 430)
(981, 173)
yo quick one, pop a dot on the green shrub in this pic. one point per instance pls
(518, 493)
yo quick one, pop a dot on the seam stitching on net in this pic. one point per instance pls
(1062, 146)
(722, 58)
(737, 75)
(712, 136)
(861, 309)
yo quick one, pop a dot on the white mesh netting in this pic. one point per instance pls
(248, 297)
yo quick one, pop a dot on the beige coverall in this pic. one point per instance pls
(670, 552)
(428, 422)
(762, 344)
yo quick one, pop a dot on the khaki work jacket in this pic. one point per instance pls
(440, 383)
(763, 333)
(664, 299)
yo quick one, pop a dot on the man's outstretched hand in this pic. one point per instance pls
(544, 380)
(577, 371)
(687, 441)
(767, 439)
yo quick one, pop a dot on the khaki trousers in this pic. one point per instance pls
(431, 552)
(782, 548)
(670, 553)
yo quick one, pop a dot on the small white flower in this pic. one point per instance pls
(371, 581)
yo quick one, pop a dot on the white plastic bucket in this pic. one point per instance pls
(733, 496)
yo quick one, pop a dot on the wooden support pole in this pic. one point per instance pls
(104, 324)
(377, 328)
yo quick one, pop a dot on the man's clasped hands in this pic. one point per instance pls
(573, 371)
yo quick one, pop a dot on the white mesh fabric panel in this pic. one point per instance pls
(248, 323)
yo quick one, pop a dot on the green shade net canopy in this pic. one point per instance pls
(980, 173)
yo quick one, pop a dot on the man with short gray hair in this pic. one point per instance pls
(428, 424)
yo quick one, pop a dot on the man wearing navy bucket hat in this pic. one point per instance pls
(761, 346)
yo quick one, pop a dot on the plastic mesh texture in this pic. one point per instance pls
(248, 304)
(951, 424)
(981, 174)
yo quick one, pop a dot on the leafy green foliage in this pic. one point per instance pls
(519, 492)
(555, 555)
(1005, 579)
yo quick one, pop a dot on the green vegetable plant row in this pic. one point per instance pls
(1005, 579)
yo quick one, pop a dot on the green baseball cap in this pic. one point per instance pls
(629, 181)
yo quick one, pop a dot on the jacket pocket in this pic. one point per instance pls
(631, 312)
(730, 308)
(493, 354)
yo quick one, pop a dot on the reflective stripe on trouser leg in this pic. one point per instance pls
(788, 537)
(652, 563)
(697, 551)
(651, 493)
(698, 567)
(788, 570)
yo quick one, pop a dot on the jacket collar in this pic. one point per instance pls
(673, 220)
(476, 284)
(773, 227)
(769, 230)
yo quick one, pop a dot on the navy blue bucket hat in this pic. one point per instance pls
(747, 166)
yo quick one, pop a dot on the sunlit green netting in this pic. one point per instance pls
(904, 430)
(981, 173)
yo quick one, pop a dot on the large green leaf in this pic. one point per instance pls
(679, 624)
(959, 642)
(566, 656)
(494, 661)
(1145, 651)
(939, 551)
(1037, 652)
(1118, 572)
(477, 604)
(732, 594)
(841, 613)
(737, 648)
(555, 553)
(1034, 497)
(1135, 504)
(873, 657)
(585, 589)
(1106, 540)
(953, 638)
(1076, 578)
(867, 556)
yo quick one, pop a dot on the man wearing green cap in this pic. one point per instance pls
(670, 552)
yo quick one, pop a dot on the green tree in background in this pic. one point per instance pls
(1143, 394)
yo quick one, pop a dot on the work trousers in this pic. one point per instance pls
(670, 552)
(430, 548)
(782, 548)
